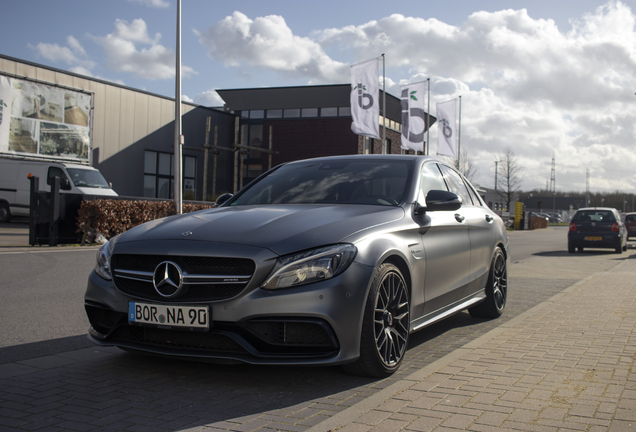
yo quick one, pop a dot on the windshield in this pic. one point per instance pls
(378, 182)
(87, 178)
(594, 216)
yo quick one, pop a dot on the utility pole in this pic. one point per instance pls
(587, 188)
(553, 176)
(496, 170)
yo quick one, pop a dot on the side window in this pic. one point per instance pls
(431, 179)
(473, 194)
(56, 172)
(456, 184)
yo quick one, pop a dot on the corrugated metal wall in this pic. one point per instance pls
(121, 116)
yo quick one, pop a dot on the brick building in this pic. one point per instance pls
(305, 122)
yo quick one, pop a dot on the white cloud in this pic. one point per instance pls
(83, 71)
(150, 61)
(185, 98)
(268, 42)
(209, 98)
(153, 3)
(73, 54)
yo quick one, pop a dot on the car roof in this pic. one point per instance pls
(373, 156)
(597, 208)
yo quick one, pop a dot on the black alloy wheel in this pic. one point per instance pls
(385, 327)
(496, 289)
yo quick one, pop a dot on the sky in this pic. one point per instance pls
(543, 78)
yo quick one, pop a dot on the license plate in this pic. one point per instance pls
(593, 238)
(169, 316)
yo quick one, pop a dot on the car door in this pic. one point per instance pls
(446, 246)
(482, 235)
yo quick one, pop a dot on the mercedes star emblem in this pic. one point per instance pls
(167, 279)
(186, 234)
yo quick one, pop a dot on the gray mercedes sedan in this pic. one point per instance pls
(330, 261)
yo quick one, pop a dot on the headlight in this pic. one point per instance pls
(311, 266)
(102, 264)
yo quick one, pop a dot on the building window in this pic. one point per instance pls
(159, 175)
(309, 112)
(328, 112)
(257, 114)
(344, 112)
(276, 113)
(367, 146)
(291, 113)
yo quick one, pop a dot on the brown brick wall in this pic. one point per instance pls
(303, 139)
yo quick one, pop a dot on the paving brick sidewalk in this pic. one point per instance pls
(567, 364)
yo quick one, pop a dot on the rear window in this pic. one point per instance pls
(594, 216)
(630, 218)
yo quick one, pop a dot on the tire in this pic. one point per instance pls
(496, 289)
(385, 325)
(571, 248)
(5, 213)
(580, 249)
(624, 248)
(619, 250)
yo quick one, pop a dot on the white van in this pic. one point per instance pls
(15, 185)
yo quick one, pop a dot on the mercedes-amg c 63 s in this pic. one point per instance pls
(331, 261)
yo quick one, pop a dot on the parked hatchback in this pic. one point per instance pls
(324, 261)
(630, 224)
(598, 227)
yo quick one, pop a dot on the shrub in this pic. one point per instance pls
(112, 217)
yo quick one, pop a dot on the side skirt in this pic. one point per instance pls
(439, 315)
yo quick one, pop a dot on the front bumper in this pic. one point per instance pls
(318, 323)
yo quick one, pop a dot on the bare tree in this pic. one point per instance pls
(466, 165)
(508, 176)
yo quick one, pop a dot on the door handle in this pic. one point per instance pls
(459, 218)
(489, 218)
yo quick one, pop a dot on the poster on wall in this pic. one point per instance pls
(45, 121)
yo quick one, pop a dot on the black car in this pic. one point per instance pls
(598, 227)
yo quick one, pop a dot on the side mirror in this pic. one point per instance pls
(439, 200)
(223, 198)
(65, 184)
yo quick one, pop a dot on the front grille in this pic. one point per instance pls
(262, 337)
(200, 341)
(205, 278)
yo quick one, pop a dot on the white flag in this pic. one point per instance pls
(447, 129)
(365, 95)
(413, 116)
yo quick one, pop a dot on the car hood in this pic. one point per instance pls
(282, 229)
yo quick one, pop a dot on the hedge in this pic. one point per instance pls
(113, 217)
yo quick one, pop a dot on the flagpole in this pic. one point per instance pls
(178, 137)
(459, 134)
(384, 105)
(428, 117)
